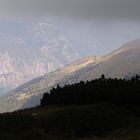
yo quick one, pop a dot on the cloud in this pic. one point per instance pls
(103, 9)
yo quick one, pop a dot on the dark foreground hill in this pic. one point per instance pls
(99, 119)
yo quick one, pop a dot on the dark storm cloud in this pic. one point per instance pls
(129, 9)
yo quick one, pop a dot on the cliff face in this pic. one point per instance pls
(41, 50)
(11, 75)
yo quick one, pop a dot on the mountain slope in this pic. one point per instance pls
(120, 63)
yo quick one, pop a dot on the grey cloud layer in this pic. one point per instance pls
(129, 9)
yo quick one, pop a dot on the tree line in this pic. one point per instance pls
(114, 90)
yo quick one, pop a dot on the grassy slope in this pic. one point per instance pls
(99, 121)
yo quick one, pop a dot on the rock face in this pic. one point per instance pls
(120, 63)
(41, 50)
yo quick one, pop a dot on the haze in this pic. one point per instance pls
(97, 26)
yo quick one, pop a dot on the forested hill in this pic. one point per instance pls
(118, 91)
(103, 109)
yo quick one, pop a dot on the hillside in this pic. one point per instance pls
(114, 114)
(121, 63)
(102, 121)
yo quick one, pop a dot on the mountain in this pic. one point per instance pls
(120, 63)
(37, 49)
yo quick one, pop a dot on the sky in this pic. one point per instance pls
(111, 9)
(95, 27)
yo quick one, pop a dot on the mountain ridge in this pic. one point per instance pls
(119, 63)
